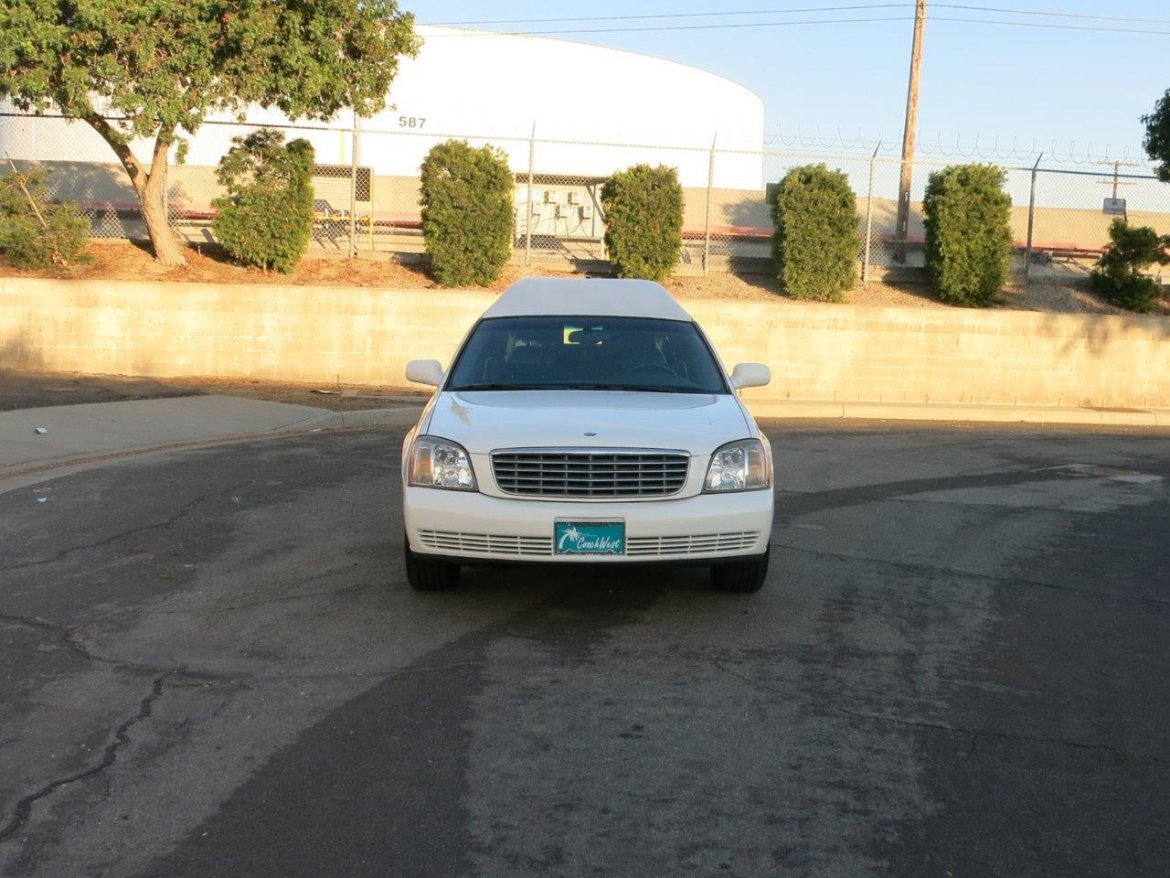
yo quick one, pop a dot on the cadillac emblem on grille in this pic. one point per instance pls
(590, 472)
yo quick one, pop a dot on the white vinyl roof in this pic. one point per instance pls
(535, 296)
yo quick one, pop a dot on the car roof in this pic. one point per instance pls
(611, 297)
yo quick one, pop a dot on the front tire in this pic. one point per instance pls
(424, 574)
(741, 577)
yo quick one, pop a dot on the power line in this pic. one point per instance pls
(1049, 26)
(815, 22)
(673, 15)
(1051, 14)
(799, 11)
(687, 27)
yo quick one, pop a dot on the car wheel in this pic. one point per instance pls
(426, 575)
(741, 576)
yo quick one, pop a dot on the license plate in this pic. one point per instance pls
(589, 537)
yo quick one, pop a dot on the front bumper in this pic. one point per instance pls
(473, 526)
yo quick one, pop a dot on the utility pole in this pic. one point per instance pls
(910, 132)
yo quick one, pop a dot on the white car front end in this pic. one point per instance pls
(586, 422)
(640, 462)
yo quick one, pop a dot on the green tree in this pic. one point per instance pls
(154, 70)
(33, 232)
(266, 219)
(1119, 275)
(816, 239)
(968, 233)
(1157, 139)
(467, 218)
(643, 221)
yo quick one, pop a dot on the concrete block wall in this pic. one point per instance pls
(817, 352)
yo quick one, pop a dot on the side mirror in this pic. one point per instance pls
(425, 372)
(750, 375)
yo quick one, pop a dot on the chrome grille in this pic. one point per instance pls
(699, 544)
(590, 472)
(489, 544)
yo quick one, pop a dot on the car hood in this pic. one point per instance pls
(484, 421)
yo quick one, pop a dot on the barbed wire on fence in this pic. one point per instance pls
(1020, 149)
(367, 190)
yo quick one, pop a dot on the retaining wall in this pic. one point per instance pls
(365, 336)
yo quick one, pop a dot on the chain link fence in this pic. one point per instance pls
(366, 196)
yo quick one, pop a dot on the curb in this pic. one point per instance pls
(990, 414)
(21, 476)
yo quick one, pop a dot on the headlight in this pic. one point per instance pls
(439, 463)
(745, 465)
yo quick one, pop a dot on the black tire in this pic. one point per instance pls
(741, 577)
(426, 575)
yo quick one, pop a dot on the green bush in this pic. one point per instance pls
(816, 239)
(33, 232)
(643, 221)
(467, 217)
(1119, 278)
(968, 234)
(1157, 139)
(266, 219)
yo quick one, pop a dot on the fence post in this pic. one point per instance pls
(707, 216)
(1031, 218)
(353, 167)
(528, 224)
(869, 215)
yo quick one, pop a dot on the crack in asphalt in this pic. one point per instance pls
(70, 636)
(121, 738)
(69, 550)
(976, 734)
(970, 574)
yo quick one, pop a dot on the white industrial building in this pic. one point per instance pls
(569, 113)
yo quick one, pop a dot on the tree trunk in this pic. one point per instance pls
(151, 188)
(152, 197)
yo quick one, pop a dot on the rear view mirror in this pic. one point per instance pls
(425, 372)
(750, 375)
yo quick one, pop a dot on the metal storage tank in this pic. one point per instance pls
(593, 109)
(568, 112)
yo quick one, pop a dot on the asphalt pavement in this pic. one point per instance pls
(46, 442)
(212, 666)
(52, 439)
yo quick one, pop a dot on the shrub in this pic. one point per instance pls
(1157, 139)
(816, 239)
(968, 234)
(467, 217)
(643, 221)
(33, 232)
(1118, 277)
(266, 219)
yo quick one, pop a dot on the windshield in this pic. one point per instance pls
(586, 353)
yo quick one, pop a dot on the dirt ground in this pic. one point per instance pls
(208, 264)
(122, 260)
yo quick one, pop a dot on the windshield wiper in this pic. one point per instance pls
(463, 387)
(637, 388)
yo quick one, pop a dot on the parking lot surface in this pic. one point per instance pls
(212, 666)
